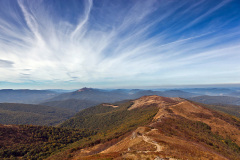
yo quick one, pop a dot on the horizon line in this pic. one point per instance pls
(226, 85)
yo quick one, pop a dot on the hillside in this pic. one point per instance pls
(36, 142)
(71, 104)
(180, 129)
(15, 113)
(96, 124)
(233, 110)
(106, 118)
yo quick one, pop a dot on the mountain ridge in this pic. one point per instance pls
(203, 133)
(150, 127)
(26, 96)
(216, 100)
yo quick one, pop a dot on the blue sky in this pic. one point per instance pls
(118, 44)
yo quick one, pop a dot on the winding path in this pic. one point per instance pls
(149, 140)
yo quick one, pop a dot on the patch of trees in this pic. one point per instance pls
(37, 142)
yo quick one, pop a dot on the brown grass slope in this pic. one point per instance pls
(180, 130)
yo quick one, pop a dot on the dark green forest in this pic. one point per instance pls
(71, 104)
(14, 113)
(106, 118)
(36, 142)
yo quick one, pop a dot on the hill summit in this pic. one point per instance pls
(85, 89)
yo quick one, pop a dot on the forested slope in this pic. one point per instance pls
(15, 113)
(36, 142)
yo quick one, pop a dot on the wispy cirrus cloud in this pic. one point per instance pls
(6, 64)
(109, 43)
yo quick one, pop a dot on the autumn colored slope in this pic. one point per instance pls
(179, 130)
(151, 127)
(36, 142)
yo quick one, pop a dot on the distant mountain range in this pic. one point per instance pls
(109, 96)
(25, 96)
(38, 96)
(87, 97)
(214, 91)
(90, 97)
(216, 100)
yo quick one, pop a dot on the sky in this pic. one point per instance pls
(118, 44)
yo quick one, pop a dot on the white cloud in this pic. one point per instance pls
(102, 44)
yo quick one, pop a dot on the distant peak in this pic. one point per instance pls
(84, 89)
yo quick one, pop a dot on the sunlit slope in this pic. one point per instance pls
(180, 130)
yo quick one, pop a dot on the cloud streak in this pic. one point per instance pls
(109, 43)
(6, 64)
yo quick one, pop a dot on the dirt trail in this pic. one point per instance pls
(149, 140)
